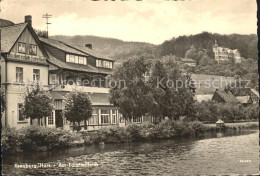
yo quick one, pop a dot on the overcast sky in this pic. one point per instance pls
(151, 21)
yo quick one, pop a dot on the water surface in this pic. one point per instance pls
(230, 152)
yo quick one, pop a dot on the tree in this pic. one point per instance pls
(3, 103)
(41, 33)
(171, 91)
(78, 108)
(131, 93)
(191, 53)
(37, 103)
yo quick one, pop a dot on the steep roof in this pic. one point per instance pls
(9, 36)
(241, 91)
(73, 48)
(255, 92)
(227, 96)
(60, 45)
(87, 51)
(244, 99)
(71, 66)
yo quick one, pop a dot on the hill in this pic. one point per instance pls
(121, 50)
(246, 44)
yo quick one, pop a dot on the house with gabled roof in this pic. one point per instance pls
(73, 67)
(23, 60)
(60, 67)
(224, 96)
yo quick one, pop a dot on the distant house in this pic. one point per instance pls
(205, 97)
(189, 62)
(225, 54)
(245, 100)
(224, 96)
(255, 96)
(246, 92)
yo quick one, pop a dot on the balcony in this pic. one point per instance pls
(70, 88)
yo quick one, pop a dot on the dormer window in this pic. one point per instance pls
(104, 64)
(76, 59)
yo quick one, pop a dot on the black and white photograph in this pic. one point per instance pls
(129, 87)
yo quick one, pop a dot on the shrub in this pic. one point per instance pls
(164, 130)
(198, 127)
(41, 138)
(183, 128)
(10, 141)
(133, 132)
(106, 135)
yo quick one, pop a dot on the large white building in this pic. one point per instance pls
(226, 54)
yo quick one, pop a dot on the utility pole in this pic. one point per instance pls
(47, 16)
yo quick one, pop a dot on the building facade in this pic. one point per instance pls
(226, 54)
(60, 68)
(23, 61)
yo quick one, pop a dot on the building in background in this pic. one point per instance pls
(226, 54)
(189, 62)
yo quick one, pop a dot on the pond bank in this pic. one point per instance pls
(218, 152)
(43, 139)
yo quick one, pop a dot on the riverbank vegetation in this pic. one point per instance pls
(36, 138)
(167, 129)
(211, 111)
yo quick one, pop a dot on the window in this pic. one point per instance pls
(53, 79)
(67, 58)
(50, 119)
(36, 75)
(104, 64)
(114, 116)
(104, 116)
(76, 59)
(85, 61)
(19, 74)
(94, 119)
(21, 47)
(32, 49)
(72, 59)
(137, 119)
(20, 112)
(81, 60)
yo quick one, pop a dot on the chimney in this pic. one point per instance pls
(28, 19)
(88, 46)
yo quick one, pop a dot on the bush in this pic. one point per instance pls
(106, 135)
(40, 138)
(10, 141)
(164, 130)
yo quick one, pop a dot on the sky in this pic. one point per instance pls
(151, 21)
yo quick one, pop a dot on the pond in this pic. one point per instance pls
(229, 152)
